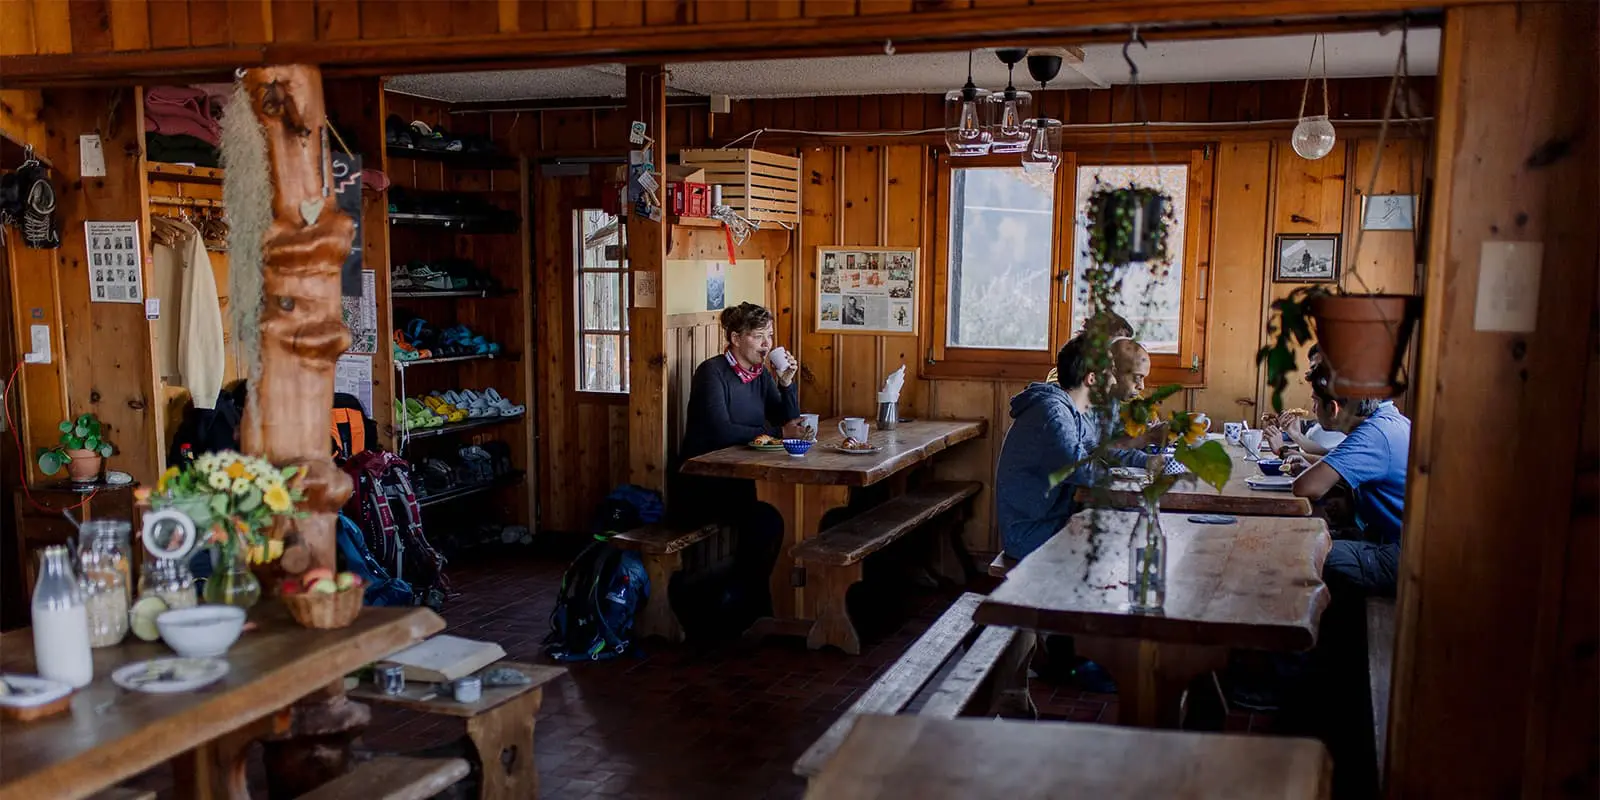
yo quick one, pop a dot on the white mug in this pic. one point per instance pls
(1251, 439)
(809, 422)
(853, 428)
(1203, 420)
(780, 359)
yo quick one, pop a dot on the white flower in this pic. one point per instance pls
(218, 481)
(264, 484)
(206, 463)
(240, 486)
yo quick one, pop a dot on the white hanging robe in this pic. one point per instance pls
(192, 353)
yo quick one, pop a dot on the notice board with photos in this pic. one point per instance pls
(867, 289)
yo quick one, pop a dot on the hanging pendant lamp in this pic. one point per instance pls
(1313, 137)
(1043, 152)
(1009, 109)
(966, 130)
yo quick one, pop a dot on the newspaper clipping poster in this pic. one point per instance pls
(115, 271)
(867, 290)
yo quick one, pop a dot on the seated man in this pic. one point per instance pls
(1110, 325)
(1050, 430)
(1130, 366)
(1314, 441)
(1372, 461)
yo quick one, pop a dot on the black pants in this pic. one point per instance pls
(757, 534)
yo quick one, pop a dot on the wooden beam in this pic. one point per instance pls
(647, 254)
(1490, 510)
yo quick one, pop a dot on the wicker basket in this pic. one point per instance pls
(325, 611)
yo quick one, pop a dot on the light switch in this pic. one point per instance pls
(1508, 286)
(39, 345)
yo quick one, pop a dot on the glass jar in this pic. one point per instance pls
(60, 621)
(104, 563)
(1147, 561)
(170, 580)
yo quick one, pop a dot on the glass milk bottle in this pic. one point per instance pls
(60, 621)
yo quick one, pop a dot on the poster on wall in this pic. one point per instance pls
(115, 271)
(867, 289)
(716, 285)
(361, 315)
(353, 375)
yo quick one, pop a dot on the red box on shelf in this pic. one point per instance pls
(688, 199)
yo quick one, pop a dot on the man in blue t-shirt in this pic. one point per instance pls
(1372, 462)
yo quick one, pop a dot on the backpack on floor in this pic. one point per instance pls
(600, 594)
(382, 589)
(385, 508)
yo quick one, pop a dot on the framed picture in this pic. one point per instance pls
(1389, 212)
(1307, 258)
(868, 289)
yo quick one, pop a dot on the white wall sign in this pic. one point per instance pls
(1508, 286)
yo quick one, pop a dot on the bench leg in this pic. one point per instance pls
(656, 618)
(833, 625)
(1011, 697)
(503, 742)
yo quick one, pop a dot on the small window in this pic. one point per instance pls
(602, 302)
(1002, 223)
(1151, 296)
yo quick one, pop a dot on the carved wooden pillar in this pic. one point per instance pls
(301, 331)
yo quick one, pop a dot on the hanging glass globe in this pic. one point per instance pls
(1313, 137)
(1008, 120)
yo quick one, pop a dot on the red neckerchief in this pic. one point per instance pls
(745, 375)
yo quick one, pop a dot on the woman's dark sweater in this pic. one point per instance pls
(725, 411)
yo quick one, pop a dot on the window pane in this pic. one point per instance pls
(596, 231)
(602, 363)
(601, 305)
(1152, 294)
(1000, 263)
(627, 298)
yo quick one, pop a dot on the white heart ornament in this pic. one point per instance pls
(310, 210)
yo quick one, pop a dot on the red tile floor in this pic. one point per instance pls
(724, 720)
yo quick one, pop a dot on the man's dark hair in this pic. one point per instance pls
(1108, 324)
(1321, 379)
(1072, 362)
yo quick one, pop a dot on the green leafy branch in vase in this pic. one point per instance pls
(1288, 329)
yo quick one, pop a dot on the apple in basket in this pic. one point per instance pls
(322, 581)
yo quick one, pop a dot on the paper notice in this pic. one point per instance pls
(1508, 286)
(644, 289)
(353, 375)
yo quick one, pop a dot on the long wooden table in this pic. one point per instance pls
(110, 734)
(1255, 584)
(805, 488)
(935, 759)
(1236, 496)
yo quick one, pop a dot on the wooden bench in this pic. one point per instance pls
(1380, 663)
(393, 778)
(833, 558)
(957, 668)
(661, 548)
(1001, 564)
(123, 793)
(499, 726)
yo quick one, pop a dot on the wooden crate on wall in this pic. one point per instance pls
(760, 186)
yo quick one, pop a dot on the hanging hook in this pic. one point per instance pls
(1133, 69)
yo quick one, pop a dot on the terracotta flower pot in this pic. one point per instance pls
(84, 466)
(1363, 340)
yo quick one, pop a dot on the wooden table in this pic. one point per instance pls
(803, 489)
(1201, 498)
(1253, 584)
(934, 759)
(77, 753)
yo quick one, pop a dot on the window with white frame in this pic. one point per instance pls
(1002, 223)
(602, 301)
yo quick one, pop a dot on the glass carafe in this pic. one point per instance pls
(1147, 561)
(60, 621)
(103, 561)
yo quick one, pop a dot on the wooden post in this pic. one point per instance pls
(302, 333)
(1494, 675)
(647, 253)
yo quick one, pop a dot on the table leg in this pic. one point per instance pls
(503, 742)
(801, 507)
(316, 747)
(216, 769)
(1151, 676)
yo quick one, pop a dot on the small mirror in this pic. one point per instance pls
(168, 533)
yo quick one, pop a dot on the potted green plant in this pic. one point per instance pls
(1128, 224)
(82, 449)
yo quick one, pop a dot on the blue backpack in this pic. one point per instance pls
(382, 590)
(603, 589)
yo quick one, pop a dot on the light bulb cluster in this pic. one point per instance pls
(979, 122)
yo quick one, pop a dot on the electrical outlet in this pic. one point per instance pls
(39, 349)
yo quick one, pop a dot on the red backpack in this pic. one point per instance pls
(385, 508)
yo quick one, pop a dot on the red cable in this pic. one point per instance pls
(22, 456)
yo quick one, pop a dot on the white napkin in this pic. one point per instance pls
(891, 386)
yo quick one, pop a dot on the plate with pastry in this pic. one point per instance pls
(856, 447)
(766, 444)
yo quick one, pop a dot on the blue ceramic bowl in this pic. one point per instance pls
(1270, 466)
(797, 447)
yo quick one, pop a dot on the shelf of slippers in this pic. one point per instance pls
(423, 294)
(466, 223)
(509, 479)
(405, 365)
(457, 427)
(459, 159)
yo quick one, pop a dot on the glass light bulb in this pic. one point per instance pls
(1044, 147)
(964, 130)
(1313, 138)
(1008, 113)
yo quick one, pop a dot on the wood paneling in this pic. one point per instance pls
(647, 255)
(1238, 274)
(1491, 519)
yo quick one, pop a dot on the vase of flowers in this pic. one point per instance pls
(241, 502)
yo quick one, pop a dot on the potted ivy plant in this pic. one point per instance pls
(82, 449)
(1362, 338)
(1128, 224)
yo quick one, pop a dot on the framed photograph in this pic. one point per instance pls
(868, 289)
(1389, 212)
(1307, 258)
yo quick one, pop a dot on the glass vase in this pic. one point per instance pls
(1147, 561)
(231, 582)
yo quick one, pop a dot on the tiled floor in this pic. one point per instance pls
(723, 720)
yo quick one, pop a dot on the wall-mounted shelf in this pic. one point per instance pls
(479, 293)
(465, 223)
(183, 172)
(460, 160)
(405, 365)
(695, 222)
(508, 479)
(458, 427)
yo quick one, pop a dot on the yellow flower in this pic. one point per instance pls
(1134, 428)
(258, 554)
(235, 470)
(161, 485)
(277, 499)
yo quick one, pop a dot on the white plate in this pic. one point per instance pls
(32, 690)
(191, 674)
(1270, 483)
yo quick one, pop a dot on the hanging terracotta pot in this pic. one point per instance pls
(1363, 340)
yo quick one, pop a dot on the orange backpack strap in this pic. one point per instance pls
(349, 431)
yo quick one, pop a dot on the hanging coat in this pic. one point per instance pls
(191, 353)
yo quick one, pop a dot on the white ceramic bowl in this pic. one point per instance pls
(202, 631)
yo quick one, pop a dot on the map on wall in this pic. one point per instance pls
(867, 290)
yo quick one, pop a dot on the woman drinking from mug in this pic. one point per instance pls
(737, 396)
